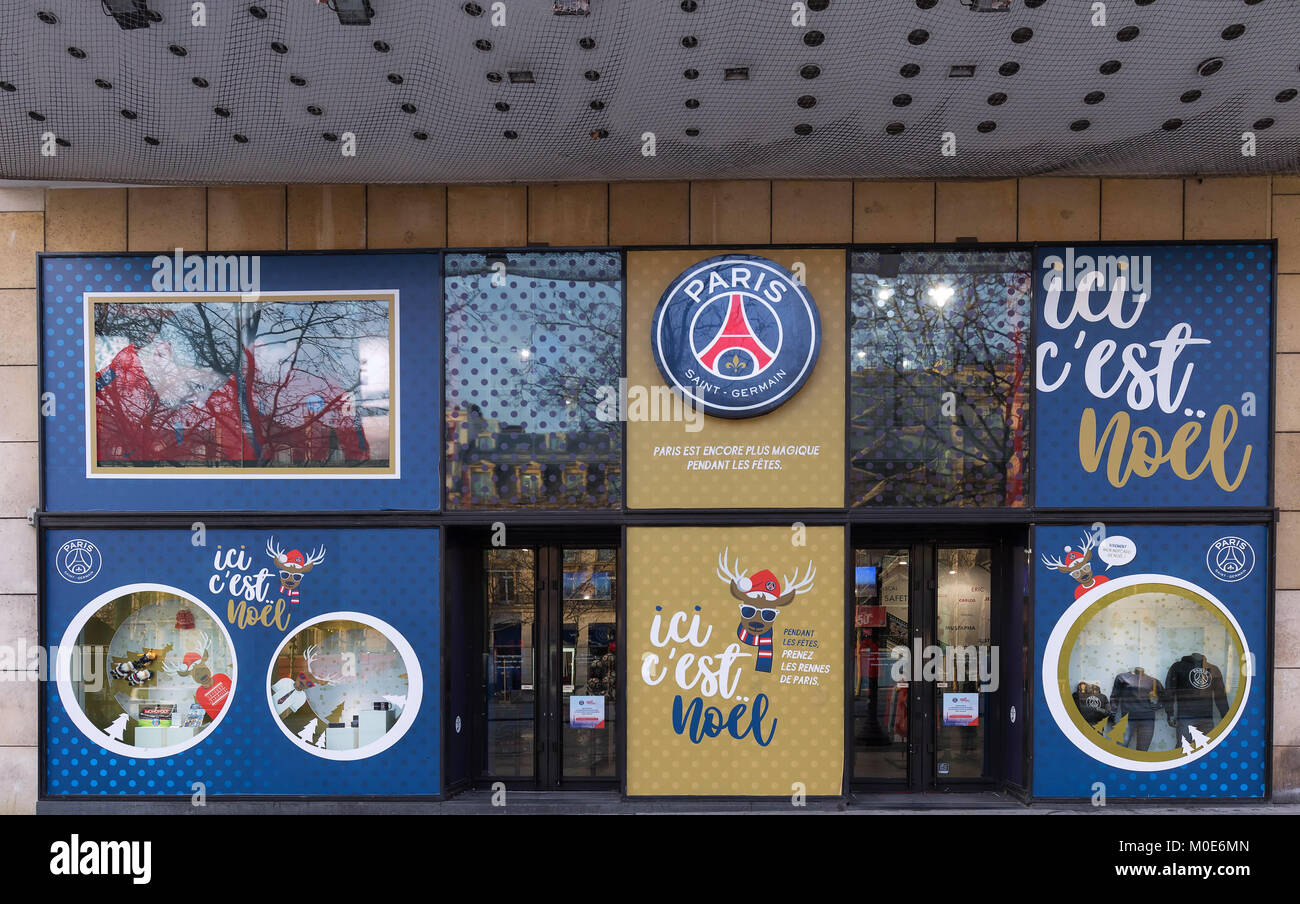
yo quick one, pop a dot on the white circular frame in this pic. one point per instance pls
(1056, 704)
(63, 675)
(414, 689)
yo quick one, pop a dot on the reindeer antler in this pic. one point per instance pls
(1056, 563)
(725, 571)
(800, 585)
(310, 655)
(315, 558)
(206, 643)
(274, 551)
(795, 585)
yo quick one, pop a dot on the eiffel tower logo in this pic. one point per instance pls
(736, 335)
(78, 563)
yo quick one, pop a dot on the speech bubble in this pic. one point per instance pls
(1116, 551)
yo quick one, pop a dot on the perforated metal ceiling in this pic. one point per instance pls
(862, 90)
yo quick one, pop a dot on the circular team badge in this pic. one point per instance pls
(1230, 559)
(736, 335)
(78, 561)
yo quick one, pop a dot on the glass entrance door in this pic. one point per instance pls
(967, 677)
(925, 669)
(550, 678)
(881, 692)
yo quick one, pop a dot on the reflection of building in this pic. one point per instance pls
(489, 462)
(910, 448)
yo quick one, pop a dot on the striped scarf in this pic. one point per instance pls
(764, 644)
(291, 593)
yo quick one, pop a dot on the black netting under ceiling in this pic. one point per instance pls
(433, 91)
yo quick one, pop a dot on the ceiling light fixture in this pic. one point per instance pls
(521, 77)
(128, 14)
(572, 7)
(961, 71)
(1210, 66)
(353, 12)
(988, 6)
(736, 74)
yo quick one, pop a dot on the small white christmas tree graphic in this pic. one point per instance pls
(117, 729)
(309, 732)
(1199, 739)
(321, 742)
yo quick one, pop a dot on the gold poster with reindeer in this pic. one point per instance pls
(734, 395)
(736, 661)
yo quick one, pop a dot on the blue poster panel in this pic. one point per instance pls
(240, 382)
(254, 662)
(1153, 375)
(1151, 650)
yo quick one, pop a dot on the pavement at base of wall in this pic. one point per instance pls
(611, 803)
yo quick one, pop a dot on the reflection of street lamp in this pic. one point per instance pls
(883, 294)
(524, 353)
(940, 294)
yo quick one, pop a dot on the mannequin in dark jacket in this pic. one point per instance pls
(1137, 695)
(1092, 703)
(1196, 691)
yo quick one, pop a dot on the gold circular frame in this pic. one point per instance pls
(1067, 650)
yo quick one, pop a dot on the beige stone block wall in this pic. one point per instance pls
(22, 235)
(326, 217)
(568, 214)
(737, 212)
(812, 212)
(630, 213)
(1059, 210)
(1141, 210)
(164, 219)
(406, 216)
(246, 218)
(650, 213)
(982, 210)
(1284, 224)
(487, 215)
(901, 212)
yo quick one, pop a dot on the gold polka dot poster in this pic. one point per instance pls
(736, 661)
(791, 457)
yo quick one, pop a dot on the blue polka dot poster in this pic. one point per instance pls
(1151, 661)
(1153, 375)
(278, 661)
(272, 382)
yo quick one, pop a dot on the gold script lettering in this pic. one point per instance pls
(1142, 451)
(242, 615)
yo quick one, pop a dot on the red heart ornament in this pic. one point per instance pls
(213, 697)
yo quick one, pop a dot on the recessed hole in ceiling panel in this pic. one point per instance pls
(744, 128)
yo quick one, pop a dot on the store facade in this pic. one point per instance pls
(731, 521)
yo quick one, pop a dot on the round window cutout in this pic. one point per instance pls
(146, 670)
(344, 686)
(1148, 673)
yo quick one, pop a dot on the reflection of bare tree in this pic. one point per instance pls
(298, 368)
(542, 334)
(598, 330)
(912, 444)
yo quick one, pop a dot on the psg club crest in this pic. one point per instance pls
(736, 335)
